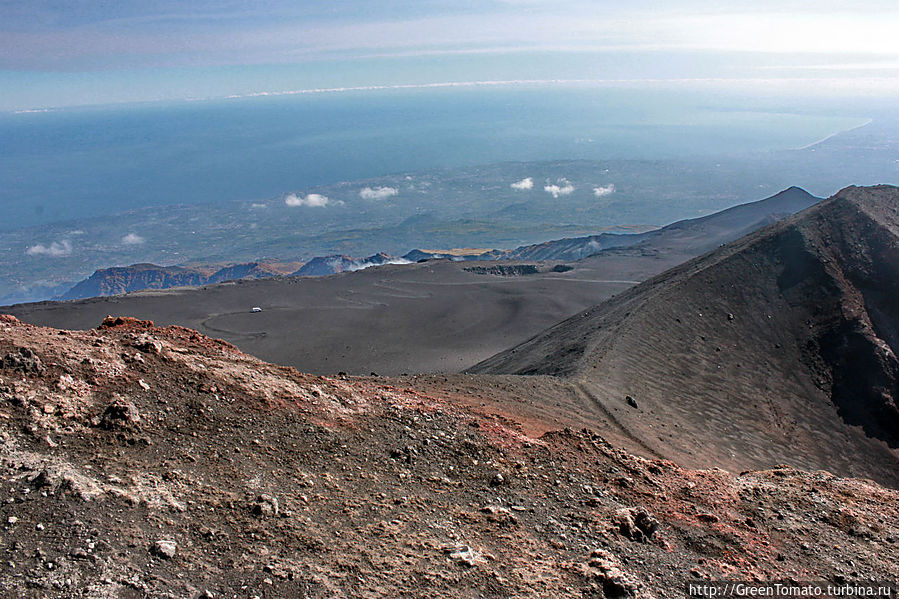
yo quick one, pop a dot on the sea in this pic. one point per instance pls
(93, 161)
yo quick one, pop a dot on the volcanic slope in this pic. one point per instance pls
(138, 461)
(779, 347)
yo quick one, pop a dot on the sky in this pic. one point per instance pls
(57, 53)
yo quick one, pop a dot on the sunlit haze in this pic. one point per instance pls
(79, 53)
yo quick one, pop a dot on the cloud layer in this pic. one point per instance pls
(378, 193)
(407, 41)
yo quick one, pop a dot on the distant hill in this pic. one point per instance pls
(329, 265)
(781, 344)
(250, 270)
(421, 255)
(122, 279)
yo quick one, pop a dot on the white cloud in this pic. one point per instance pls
(604, 190)
(313, 200)
(132, 239)
(523, 185)
(562, 188)
(258, 206)
(316, 199)
(378, 193)
(56, 249)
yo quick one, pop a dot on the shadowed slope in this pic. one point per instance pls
(779, 347)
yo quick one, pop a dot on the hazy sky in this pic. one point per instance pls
(65, 52)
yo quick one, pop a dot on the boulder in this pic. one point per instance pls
(120, 414)
(164, 548)
(266, 505)
(636, 523)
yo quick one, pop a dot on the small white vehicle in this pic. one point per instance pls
(255, 309)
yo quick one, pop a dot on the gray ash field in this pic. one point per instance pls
(434, 316)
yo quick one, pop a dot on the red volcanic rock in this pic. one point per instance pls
(126, 322)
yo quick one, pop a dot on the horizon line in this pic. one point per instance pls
(453, 84)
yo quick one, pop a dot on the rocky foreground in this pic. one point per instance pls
(142, 461)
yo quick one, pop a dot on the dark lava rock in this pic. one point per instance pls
(24, 360)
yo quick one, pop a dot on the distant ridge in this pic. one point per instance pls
(783, 343)
(686, 238)
(693, 236)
